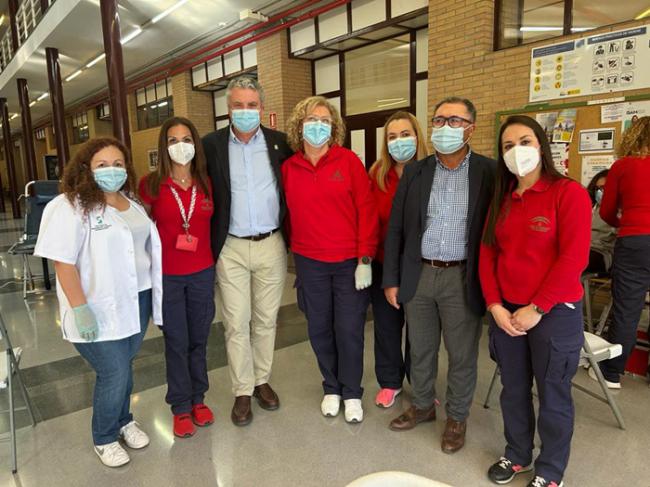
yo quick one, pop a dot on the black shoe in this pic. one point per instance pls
(542, 482)
(504, 471)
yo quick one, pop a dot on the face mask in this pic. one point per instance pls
(110, 179)
(447, 140)
(181, 152)
(598, 195)
(245, 120)
(522, 160)
(317, 134)
(403, 149)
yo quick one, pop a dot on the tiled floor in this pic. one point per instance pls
(294, 446)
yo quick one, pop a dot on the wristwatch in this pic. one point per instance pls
(539, 310)
(365, 260)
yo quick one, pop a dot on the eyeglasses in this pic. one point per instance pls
(454, 121)
(312, 119)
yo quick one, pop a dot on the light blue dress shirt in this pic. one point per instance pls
(255, 203)
(445, 237)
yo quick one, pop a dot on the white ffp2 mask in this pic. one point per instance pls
(181, 152)
(522, 160)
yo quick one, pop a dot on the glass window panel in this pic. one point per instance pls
(529, 20)
(327, 74)
(250, 55)
(232, 61)
(161, 90)
(589, 14)
(377, 76)
(333, 23)
(367, 12)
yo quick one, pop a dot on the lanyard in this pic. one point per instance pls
(186, 217)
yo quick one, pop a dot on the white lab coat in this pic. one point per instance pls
(100, 245)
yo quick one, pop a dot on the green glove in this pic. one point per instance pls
(86, 323)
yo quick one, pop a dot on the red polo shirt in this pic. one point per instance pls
(384, 203)
(626, 189)
(167, 215)
(542, 246)
(332, 215)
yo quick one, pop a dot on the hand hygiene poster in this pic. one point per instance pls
(603, 63)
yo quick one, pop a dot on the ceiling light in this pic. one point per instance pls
(642, 15)
(43, 96)
(2, 19)
(132, 35)
(73, 75)
(32, 103)
(539, 29)
(165, 13)
(15, 115)
(162, 103)
(96, 60)
(581, 29)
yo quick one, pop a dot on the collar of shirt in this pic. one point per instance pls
(233, 138)
(302, 160)
(542, 184)
(460, 166)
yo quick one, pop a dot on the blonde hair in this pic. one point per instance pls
(379, 170)
(636, 139)
(302, 110)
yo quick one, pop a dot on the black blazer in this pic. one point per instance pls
(402, 248)
(215, 146)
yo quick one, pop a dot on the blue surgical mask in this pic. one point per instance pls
(598, 195)
(245, 120)
(317, 134)
(447, 140)
(402, 149)
(110, 179)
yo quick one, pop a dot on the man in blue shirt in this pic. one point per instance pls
(248, 242)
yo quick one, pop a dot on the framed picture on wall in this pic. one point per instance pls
(152, 157)
(51, 167)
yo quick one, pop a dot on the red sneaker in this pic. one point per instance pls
(183, 426)
(201, 415)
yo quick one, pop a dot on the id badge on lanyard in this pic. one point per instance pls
(186, 241)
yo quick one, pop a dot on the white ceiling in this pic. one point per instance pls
(78, 37)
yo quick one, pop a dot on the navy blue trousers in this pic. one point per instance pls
(630, 282)
(336, 317)
(188, 310)
(549, 352)
(390, 363)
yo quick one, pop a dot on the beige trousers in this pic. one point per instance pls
(250, 282)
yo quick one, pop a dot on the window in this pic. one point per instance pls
(522, 21)
(103, 111)
(154, 104)
(80, 128)
(39, 134)
(377, 76)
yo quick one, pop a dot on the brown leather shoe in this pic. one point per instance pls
(241, 414)
(266, 397)
(453, 439)
(410, 418)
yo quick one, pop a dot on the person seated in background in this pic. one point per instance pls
(603, 235)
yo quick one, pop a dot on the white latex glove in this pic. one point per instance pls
(363, 276)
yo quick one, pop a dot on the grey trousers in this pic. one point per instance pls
(440, 307)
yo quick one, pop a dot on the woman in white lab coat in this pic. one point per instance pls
(107, 258)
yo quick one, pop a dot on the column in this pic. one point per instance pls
(58, 108)
(9, 156)
(13, 8)
(115, 70)
(28, 131)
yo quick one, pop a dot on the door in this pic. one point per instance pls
(365, 135)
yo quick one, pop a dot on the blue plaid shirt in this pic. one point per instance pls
(445, 236)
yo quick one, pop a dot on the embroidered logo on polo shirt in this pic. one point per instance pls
(99, 224)
(206, 204)
(337, 176)
(540, 224)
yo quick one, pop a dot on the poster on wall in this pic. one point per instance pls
(51, 167)
(596, 140)
(592, 165)
(602, 63)
(152, 158)
(565, 125)
(633, 111)
(547, 121)
(560, 153)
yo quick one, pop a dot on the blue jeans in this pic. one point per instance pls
(112, 362)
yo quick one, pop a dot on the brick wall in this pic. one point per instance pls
(194, 105)
(286, 81)
(462, 62)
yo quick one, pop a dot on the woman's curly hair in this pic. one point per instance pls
(78, 183)
(636, 139)
(300, 112)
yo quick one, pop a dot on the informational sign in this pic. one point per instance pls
(633, 111)
(565, 125)
(560, 153)
(603, 63)
(273, 120)
(596, 140)
(592, 165)
(547, 121)
(152, 159)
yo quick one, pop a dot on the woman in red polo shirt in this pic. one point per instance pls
(333, 233)
(534, 249)
(179, 197)
(626, 205)
(403, 143)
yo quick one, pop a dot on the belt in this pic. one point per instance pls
(443, 264)
(258, 237)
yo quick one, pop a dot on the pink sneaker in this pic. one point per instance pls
(386, 397)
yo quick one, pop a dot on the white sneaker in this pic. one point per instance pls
(112, 454)
(610, 385)
(133, 436)
(353, 410)
(330, 405)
